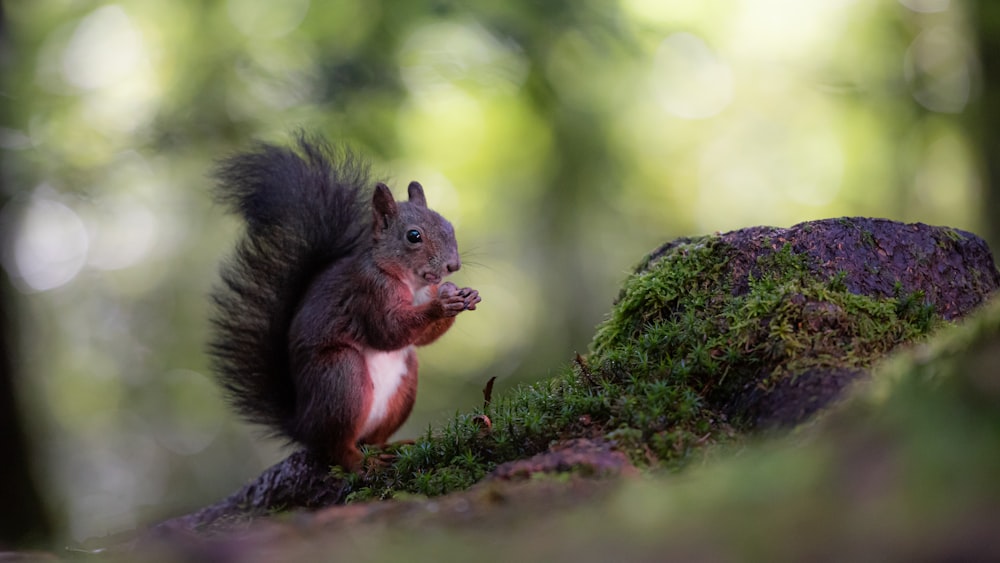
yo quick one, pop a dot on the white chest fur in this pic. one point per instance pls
(422, 295)
(386, 371)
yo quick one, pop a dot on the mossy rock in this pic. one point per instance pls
(767, 325)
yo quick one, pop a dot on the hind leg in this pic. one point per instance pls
(333, 395)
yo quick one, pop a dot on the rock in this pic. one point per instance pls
(581, 455)
(954, 269)
(789, 317)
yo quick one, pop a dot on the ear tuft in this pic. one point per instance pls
(383, 208)
(416, 193)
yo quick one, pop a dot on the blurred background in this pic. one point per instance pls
(564, 139)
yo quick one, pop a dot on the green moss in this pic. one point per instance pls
(682, 342)
(524, 423)
(947, 237)
(679, 343)
(632, 442)
(952, 234)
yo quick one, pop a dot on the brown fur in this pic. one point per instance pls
(328, 290)
(367, 303)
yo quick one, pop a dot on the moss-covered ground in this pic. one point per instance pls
(670, 370)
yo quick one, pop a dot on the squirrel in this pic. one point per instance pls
(327, 293)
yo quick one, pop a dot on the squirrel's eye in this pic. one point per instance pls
(414, 236)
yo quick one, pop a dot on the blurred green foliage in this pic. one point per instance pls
(564, 140)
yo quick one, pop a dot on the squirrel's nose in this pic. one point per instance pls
(453, 266)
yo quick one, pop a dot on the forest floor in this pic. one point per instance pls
(827, 391)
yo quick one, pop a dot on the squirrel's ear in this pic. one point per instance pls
(383, 207)
(416, 192)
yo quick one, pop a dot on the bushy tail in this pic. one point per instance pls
(303, 212)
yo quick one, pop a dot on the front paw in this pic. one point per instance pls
(453, 300)
(450, 301)
(470, 297)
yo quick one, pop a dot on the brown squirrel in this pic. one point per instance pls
(326, 295)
